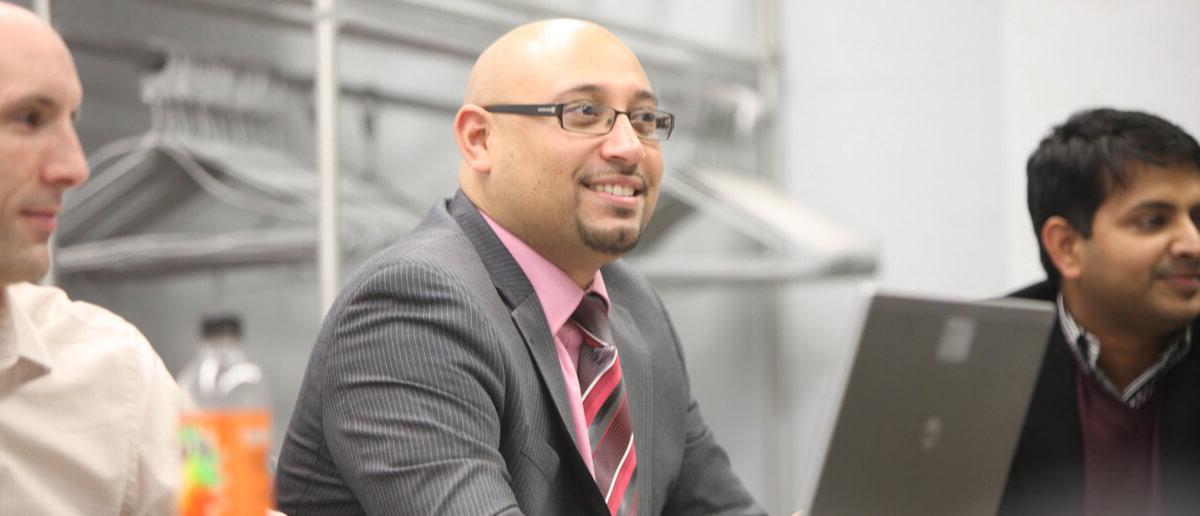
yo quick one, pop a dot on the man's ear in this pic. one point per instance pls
(471, 130)
(1064, 244)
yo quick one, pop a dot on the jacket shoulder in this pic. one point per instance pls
(1043, 291)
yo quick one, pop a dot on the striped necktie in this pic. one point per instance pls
(606, 409)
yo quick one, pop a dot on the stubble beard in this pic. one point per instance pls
(612, 243)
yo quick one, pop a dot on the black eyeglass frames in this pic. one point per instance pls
(597, 119)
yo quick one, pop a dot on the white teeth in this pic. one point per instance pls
(617, 190)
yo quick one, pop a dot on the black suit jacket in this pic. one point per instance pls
(1046, 477)
(435, 388)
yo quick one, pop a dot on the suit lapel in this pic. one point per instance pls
(517, 292)
(531, 320)
(1046, 476)
(636, 373)
(1059, 410)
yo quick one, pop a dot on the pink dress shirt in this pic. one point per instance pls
(559, 296)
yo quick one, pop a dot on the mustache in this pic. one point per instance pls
(1186, 267)
(594, 173)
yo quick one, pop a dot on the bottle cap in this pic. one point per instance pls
(214, 326)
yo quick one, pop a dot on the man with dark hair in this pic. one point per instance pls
(1114, 424)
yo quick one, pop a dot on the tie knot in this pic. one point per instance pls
(592, 319)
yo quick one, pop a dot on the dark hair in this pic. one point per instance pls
(1081, 161)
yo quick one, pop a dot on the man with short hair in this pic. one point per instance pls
(1114, 424)
(87, 410)
(501, 359)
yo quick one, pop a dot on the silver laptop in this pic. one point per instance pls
(933, 407)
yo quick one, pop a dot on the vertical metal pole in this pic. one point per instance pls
(780, 422)
(42, 9)
(326, 96)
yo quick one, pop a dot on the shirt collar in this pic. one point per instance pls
(1086, 348)
(20, 341)
(556, 291)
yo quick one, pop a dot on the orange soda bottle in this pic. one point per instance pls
(225, 428)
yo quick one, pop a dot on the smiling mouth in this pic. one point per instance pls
(1182, 277)
(616, 190)
(1185, 283)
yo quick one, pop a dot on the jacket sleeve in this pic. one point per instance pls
(413, 392)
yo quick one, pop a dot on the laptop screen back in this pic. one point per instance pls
(933, 407)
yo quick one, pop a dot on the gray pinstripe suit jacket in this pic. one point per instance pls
(434, 388)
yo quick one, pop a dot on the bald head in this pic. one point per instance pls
(578, 196)
(14, 17)
(534, 54)
(40, 154)
(23, 35)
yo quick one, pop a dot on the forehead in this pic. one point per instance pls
(593, 64)
(35, 63)
(1177, 185)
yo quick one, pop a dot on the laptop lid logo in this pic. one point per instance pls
(958, 334)
(931, 433)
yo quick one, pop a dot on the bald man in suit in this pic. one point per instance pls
(454, 374)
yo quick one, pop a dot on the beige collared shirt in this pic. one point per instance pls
(88, 412)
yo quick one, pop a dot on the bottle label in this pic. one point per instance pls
(225, 463)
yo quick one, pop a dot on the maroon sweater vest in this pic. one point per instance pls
(1121, 467)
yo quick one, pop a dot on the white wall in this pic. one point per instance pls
(892, 122)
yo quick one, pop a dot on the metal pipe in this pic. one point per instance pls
(780, 468)
(42, 9)
(325, 28)
(675, 55)
(153, 59)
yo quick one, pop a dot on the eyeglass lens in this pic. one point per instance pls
(599, 119)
